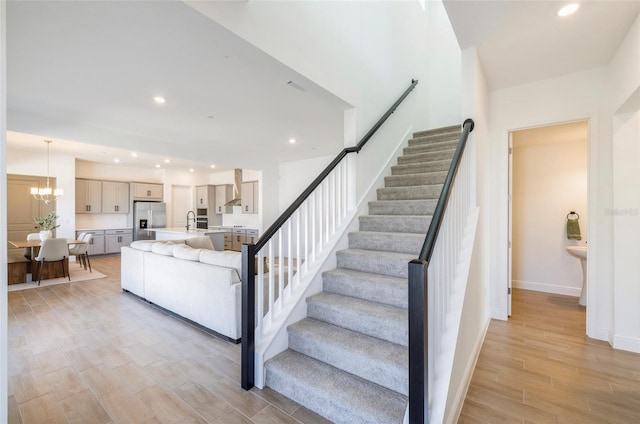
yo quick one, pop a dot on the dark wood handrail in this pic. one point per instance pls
(307, 192)
(418, 298)
(443, 200)
(249, 250)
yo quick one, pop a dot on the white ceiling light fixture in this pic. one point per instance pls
(212, 166)
(157, 165)
(46, 194)
(292, 140)
(167, 161)
(191, 170)
(568, 9)
(116, 160)
(134, 154)
(159, 99)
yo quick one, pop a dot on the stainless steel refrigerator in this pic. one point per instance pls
(148, 215)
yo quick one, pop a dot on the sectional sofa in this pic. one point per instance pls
(188, 278)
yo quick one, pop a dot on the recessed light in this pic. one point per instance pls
(569, 9)
(167, 161)
(292, 140)
(212, 166)
(134, 154)
(159, 99)
(116, 160)
(191, 169)
(157, 165)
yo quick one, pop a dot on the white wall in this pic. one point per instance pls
(625, 213)
(573, 97)
(3, 214)
(549, 181)
(363, 52)
(475, 319)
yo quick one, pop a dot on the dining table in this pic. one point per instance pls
(55, 270)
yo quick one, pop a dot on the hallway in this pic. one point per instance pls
(539, 367)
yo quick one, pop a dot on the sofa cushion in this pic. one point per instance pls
(163, 248)
(226, 259)
(186, 252)
(201, 242)
(144, 245)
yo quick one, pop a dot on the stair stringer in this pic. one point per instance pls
(277, 341)
(442, 379)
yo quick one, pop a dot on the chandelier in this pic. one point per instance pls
(46, 194)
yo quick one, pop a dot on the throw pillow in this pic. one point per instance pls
(163, 248)
(186, 252)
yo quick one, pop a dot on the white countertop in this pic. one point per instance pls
(183, 230)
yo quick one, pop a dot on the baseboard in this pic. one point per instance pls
(468, 374)
(546, 288)
(630, 344)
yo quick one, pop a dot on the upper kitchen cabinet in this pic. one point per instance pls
(249, 196)
(88, 196)
(205, 196)
(224, 194)
(115, 197)
(147, 191)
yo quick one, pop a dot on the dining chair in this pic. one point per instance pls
(80, 251)
(52, 250)
(27, 250)
(87, 241)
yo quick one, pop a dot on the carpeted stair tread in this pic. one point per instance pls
(418, 168)
(403, 207)
(435, 138)
(374, 319)
(395, 223)
(408, 180)
(425, 147)
(387, 241)
(437, 131)
(426, 157)
(367, 286)
(385, 263)
(376, 360)
(431, 191)
(336, 395)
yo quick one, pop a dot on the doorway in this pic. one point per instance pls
(22, 207)
(548, 168)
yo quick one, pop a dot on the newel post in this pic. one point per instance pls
(418, 343)
(248, 315)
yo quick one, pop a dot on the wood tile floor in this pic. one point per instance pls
(87, 353)
(539, 367)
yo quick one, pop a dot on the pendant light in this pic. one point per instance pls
(46, 194)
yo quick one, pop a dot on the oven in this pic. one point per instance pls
(202, 222)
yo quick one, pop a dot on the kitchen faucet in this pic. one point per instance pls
(193, 219)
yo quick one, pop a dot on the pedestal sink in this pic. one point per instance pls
(580, 252)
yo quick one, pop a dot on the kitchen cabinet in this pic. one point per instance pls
(115, 239)
(96, 245)
(224, 194)
(147, 191)
(205, 196)
(115, 197)
(239, 237)
(228, 241)
(249, 197)
(88, 196)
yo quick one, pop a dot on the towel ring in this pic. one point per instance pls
(573, 213)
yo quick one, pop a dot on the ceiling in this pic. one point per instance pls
(87, 71)
(84, 73)
(524, 41)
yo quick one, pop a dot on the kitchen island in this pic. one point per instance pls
(180, 233)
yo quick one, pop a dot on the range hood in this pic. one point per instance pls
(237, 183)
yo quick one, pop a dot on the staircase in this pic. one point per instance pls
(348, 360)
